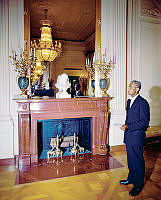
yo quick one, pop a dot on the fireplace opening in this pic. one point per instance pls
(63, 128)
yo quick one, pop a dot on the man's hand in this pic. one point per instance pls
(124, 127)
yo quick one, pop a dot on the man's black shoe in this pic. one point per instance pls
(135, 191)
(125, 182)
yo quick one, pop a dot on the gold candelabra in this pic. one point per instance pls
(101, 66)
(21, 61)
(28, 68)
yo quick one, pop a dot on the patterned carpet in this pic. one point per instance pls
(152, 159)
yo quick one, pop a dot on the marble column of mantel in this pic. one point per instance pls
(31, 110)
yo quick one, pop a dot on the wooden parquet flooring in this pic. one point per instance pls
(100, 185)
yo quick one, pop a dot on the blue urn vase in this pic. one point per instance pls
(93, 83)
(103, 85)
(23, 83)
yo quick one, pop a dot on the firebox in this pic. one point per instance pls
(53, 128)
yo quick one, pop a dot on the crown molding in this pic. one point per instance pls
(151, 8)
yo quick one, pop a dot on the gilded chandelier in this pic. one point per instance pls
(45, 49)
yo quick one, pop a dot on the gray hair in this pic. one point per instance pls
(137, 83)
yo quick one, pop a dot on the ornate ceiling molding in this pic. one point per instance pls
(73, 20)
(151, 8)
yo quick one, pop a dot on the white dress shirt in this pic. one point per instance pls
(133, 99)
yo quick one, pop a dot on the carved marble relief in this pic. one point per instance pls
(151, 8)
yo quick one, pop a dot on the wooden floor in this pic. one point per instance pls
(100, 185)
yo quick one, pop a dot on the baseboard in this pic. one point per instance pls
(117, 148)
(7, 161)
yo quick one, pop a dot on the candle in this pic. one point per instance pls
(31, 51)
(105, 53)
(94, 57)
(34, 52)
(98, 58)
(103, 57)
(88, 61)
(74, 139)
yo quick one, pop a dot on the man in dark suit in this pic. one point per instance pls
(137, 121)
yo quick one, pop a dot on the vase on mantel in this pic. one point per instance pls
(93, 84)
(93, 87)
(23, 83)
(103, 83)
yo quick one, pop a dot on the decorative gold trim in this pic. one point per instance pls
(151, 8)
(99, 22)
(26, 12)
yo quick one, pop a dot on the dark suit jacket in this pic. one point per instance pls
(137, 119)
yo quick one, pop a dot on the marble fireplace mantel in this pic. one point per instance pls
(32, 110)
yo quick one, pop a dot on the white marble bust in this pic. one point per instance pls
(63, 84)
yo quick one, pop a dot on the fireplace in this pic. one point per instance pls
(63, 128)
(32, 111)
